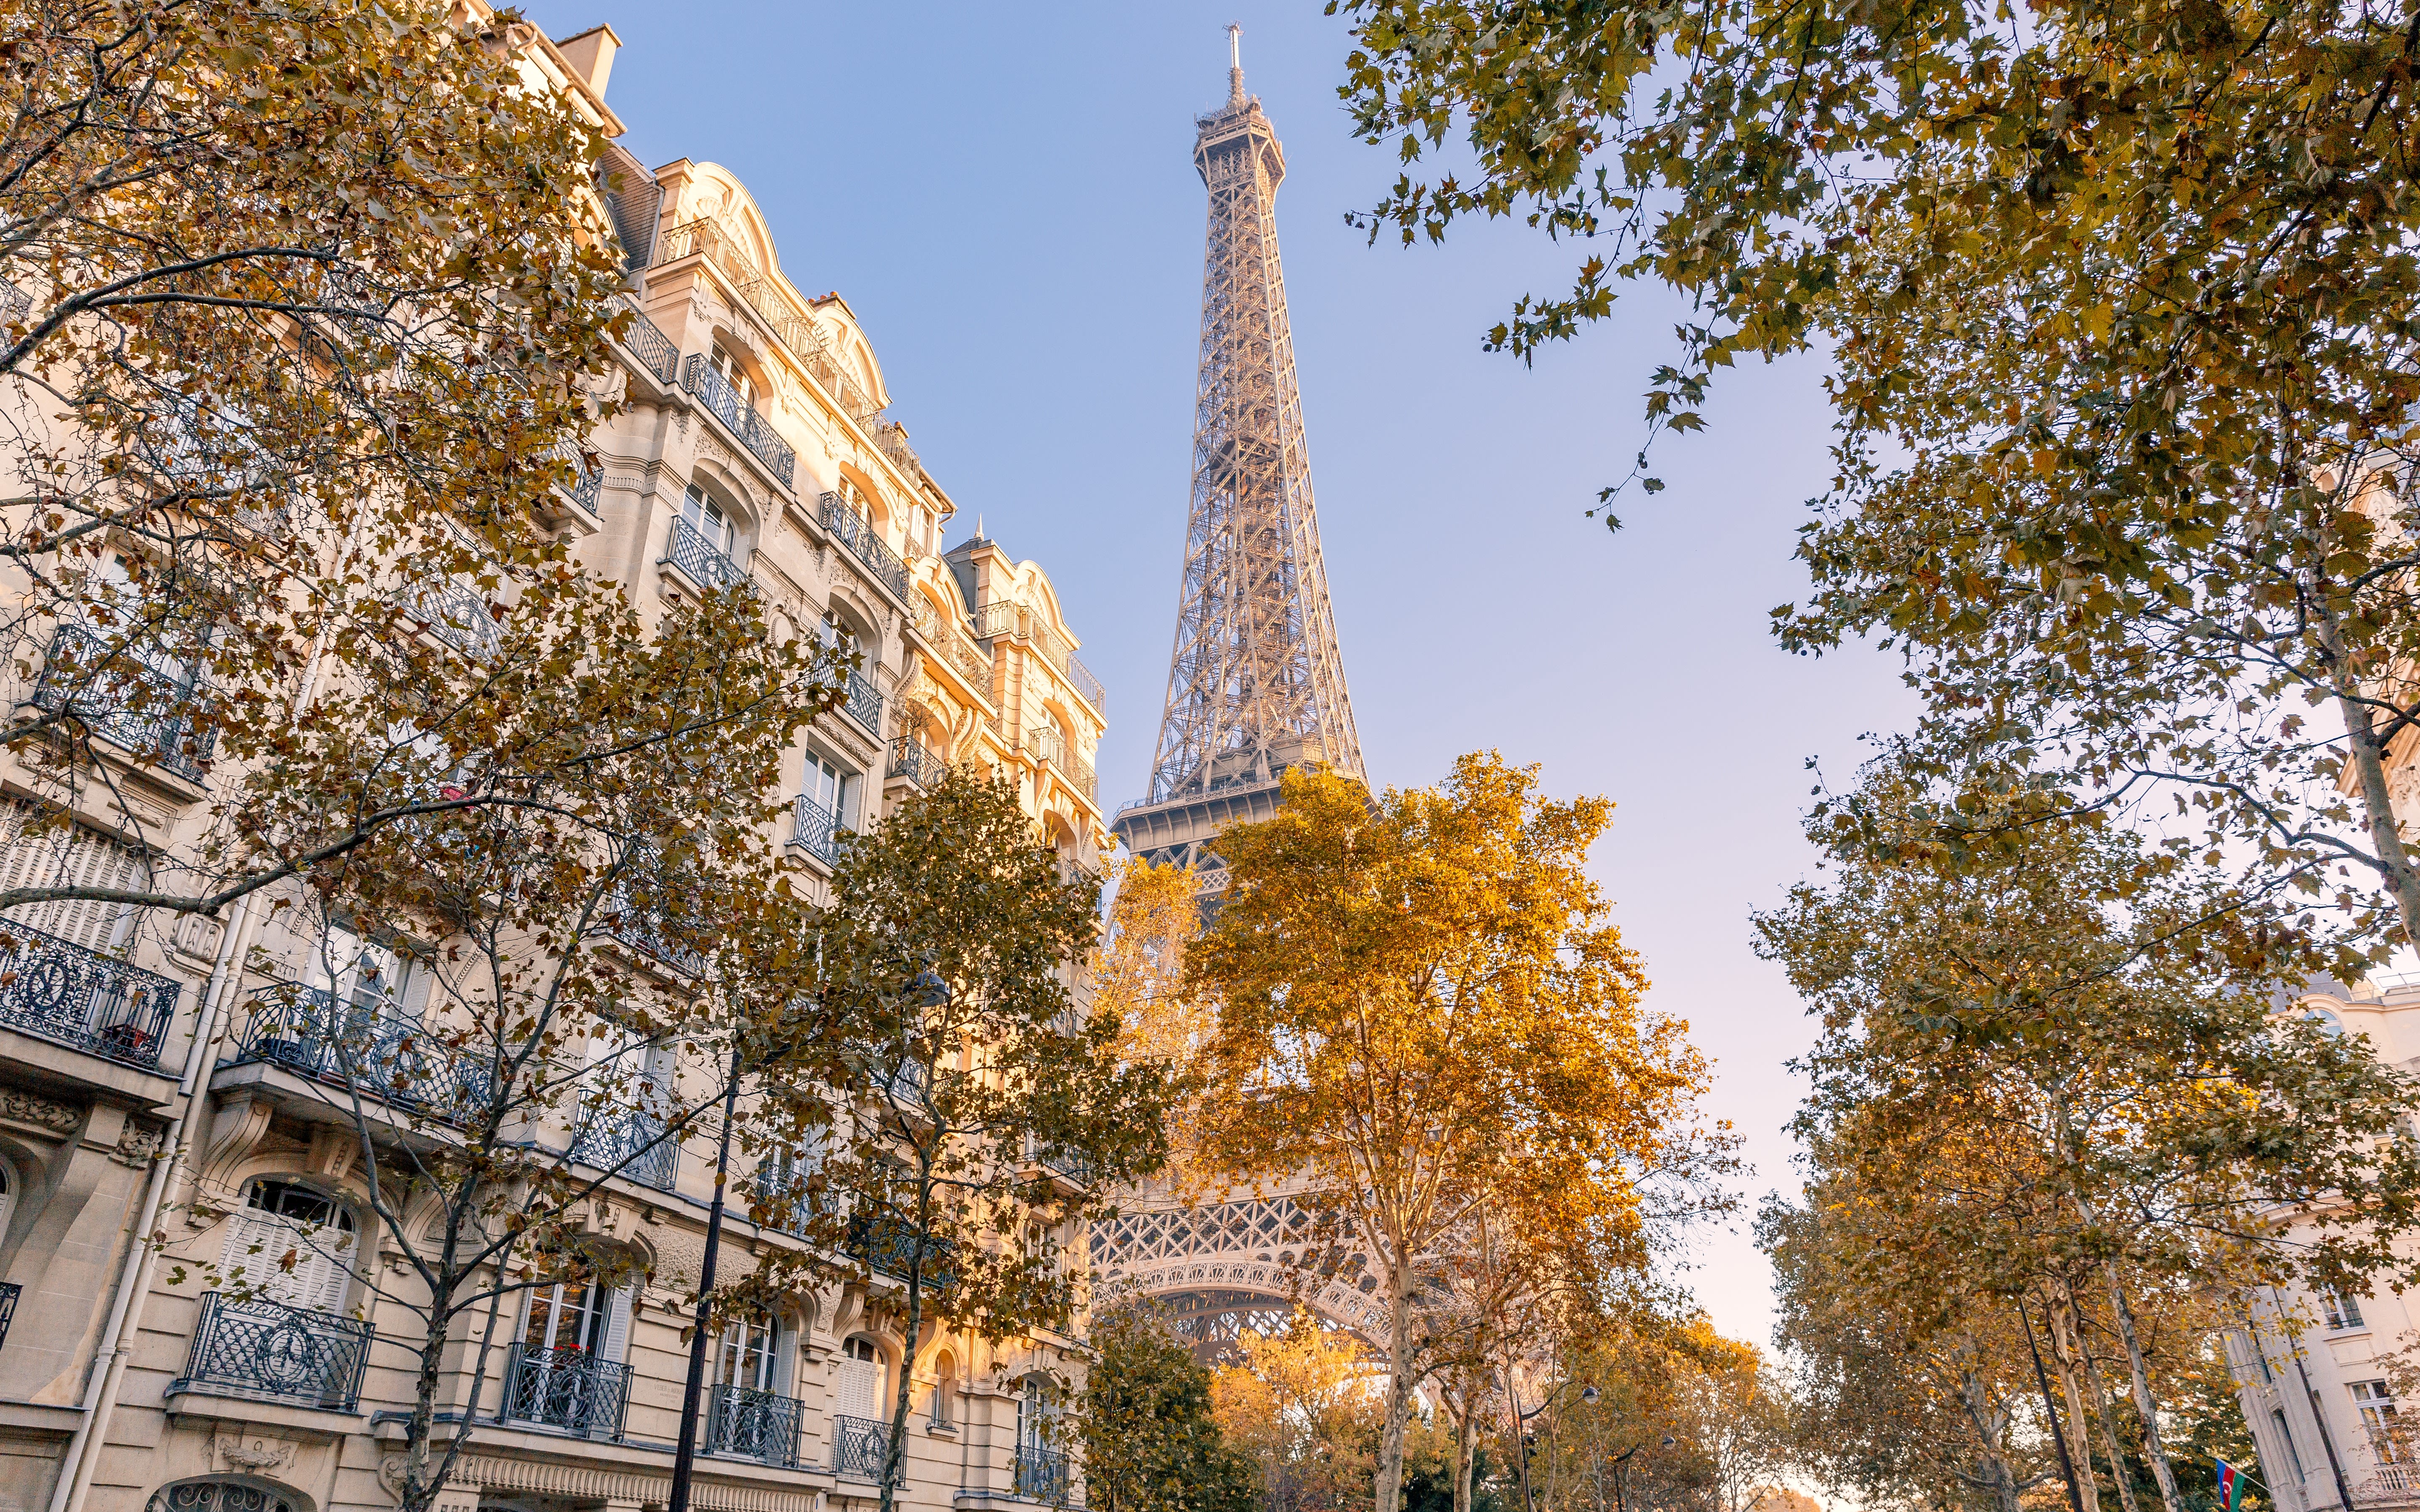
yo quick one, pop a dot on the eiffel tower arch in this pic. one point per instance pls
(1255, 686)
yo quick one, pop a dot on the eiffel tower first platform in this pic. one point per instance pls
(1255, 684)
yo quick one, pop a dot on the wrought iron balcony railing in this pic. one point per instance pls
(860, 1447)
(888, 1245)
(816, 830)
(950, 638)
(8, 1290)
(587, 483)
(121, 698)
(62, 990)
(455, 614)
(1029, 628)
(856, 532)
(272, 1352)
(1064, 1163)
(915, 761)
(569, 1389)
(623, 919)
(648, 341)
(864, 704)
(630, 1144)
(750, 429)
(1041, 1473)
(706, 564)
(389, 1056)
(782, 1193)
(746, 279)
(891, 437)
(747, 1424)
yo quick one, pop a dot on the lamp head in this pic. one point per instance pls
(1588, 1395)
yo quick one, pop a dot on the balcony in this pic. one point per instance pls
(1059, 1161)
(860, 1447)
(643, 930)
(1029, 628)
(270, 1352)
(61, 991)
(746, 426)
(709, 239)
(1042, 1473)
(951, 640)
(1048, 745)
(629, 1144)
(782, 1194)
(864, 704)
(888, 1245)
(646, 340)
(746, 1424)
(391, 1057)
(816, 830)
(704, 562)
(124, 699)
(856, 532)
(569, 1389)
(455, 614)
(587, 483)
(915, 761)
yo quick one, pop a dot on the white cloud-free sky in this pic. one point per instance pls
(1005, 196)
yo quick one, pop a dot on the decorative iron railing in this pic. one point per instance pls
(781, 1195)
(587, 483)
(888, 1245)
(623, 919)
(816, 830)
(860, 1447)
(915, 761)
(62, 990)
(8, 1290)
(746, 279)
(909, 1083)
(864, 703)
(455, 614)
(272, 1352)
(388, 1055)
(1041, 1473)
(891, 438)
(84, 678)
(569, 1389)
(856, 532)
(971, 664)
(1059, 1161)
(648, 341)
(747, 1424)
(630, 1144)
(700, 378)
(706, 564)
(1008, 619)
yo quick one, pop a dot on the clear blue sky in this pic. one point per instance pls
(1005, 195)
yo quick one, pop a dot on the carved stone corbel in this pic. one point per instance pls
(333, 1149)
(236, 1130)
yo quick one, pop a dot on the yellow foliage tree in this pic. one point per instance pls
(1303, 1404)
(1421, 1009)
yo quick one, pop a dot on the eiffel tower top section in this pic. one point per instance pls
(1255, 684)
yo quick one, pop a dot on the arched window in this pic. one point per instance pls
(729, 367)
(216, 1496)
(282, 1218)
(945, 1388)
(860, 1394)
(2327, 1023)
(707, 518)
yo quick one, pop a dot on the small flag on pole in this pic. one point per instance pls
(2230, 1486)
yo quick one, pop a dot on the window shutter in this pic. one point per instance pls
(319, 1273)
(861, 1388)
(618, 1326)
(80, 858)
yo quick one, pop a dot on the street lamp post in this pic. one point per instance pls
(684, 1453)
(1521, 1423)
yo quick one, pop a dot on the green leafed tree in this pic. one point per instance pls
(1144, 1425)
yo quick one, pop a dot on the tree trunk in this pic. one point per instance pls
(2152, 1449)
(2108, 1415)
(1387, 1494)
(2079, 1437)
(896, 1453)
(1463, 1444)
(1998, 1473)
(2367, 758)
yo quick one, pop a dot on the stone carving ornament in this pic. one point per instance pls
(42, 1112)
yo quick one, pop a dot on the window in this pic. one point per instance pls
(2342, 1311)
(2327, 1023)
(285, 1219)
(72, 856)
(729, 367)
(570, 1316)
(707, 518)
(358, 974)
(748, 1354)
(945, 1386)
(830, 788)
(2376, 1403)
(1034, 1411)
(2286, 1436)
(859, 1393)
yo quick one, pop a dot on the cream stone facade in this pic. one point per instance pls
(750, 444)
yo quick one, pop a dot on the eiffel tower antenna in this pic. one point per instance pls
(1255, 684)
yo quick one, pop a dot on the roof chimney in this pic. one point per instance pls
(592, 53)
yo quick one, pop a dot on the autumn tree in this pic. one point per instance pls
(985, 1113)
(1422, 1006)
(2116, 308)
(1304, 1406)
(1138, 976)
(1144, 1421)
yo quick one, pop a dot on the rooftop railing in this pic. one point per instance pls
(747, 1424)
(954, 646)
(648, 341)
(750, 429)
(389, 1056)
(569, 1389)
(125, 700)
(915, 761)
(66, 992)
(856, 533)
(628, 1143)
(816, 829)
(705, 563)
(269, 1351)
(1029, 628)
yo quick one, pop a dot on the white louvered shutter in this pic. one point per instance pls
(80, 857)
(617, 1327)
(319, 1273)
(861, 1389)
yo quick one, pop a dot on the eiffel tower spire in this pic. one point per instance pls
(1255, 684)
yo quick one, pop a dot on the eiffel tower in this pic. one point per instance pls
(1255, 684)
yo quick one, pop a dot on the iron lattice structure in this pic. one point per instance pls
(1255, 682)
(1248, 1263)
